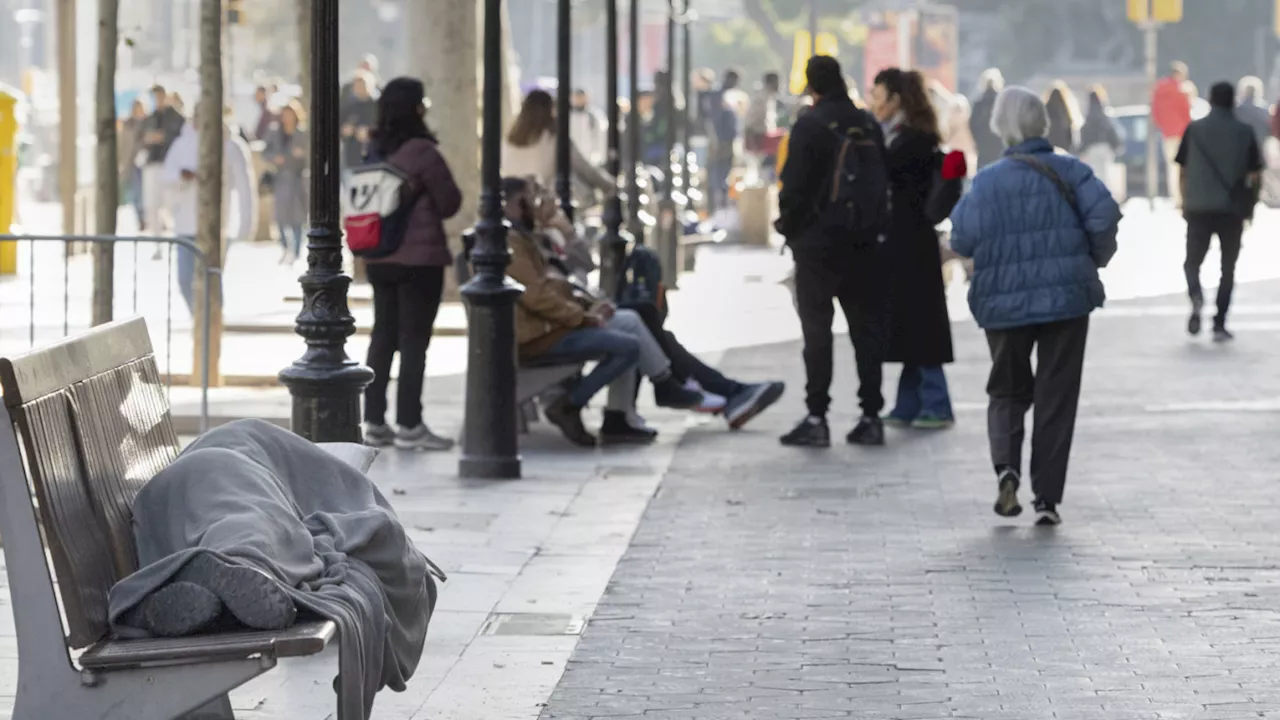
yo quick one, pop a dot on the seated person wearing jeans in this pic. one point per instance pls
(554, 321)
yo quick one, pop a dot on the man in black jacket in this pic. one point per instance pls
(832, 268)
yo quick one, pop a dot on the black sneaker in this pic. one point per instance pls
(569, 419)
(749, 402)
(1221, 335)
(869, 432)
(617, 431)
(1194, 322)
(1047, 514)
(1007, 501)
(811, 432)
(669, 393)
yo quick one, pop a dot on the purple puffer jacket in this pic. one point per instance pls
(425, 242)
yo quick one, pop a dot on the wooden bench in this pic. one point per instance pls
(85, 425)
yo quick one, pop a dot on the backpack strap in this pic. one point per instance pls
(837, 172)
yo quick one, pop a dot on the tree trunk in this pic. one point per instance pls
(108, 171)
(445, 33)
(304, 50)
(209, 125)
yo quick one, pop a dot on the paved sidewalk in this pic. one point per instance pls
(772, 583)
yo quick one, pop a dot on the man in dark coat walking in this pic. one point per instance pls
(829, 268)
(990, 148)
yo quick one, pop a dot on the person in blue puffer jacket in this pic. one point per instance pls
(1038, 226)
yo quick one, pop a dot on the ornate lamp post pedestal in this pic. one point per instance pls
(326, 385)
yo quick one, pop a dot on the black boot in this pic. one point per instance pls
(669, 393)
(870, 431)
(812, 432)
(617, 431)
(569, 419)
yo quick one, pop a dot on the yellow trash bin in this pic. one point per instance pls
(8, 179)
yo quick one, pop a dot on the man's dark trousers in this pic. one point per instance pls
(1201, 227)
(1053, 388)
(846, 275)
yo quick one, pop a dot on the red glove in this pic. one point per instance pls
(954, 166)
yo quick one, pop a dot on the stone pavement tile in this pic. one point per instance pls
(877, 583)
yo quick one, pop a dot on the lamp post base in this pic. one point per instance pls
(490, 437)
(326, 399)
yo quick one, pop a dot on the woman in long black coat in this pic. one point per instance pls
(920, 336)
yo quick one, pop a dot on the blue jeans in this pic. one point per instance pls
(614, 352)
(291, 239)
(922, 392)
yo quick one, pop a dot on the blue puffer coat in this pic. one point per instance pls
(1033, 262)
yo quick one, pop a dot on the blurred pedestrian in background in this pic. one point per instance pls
(919, 329)
(129, 139)
(530, 149)
(1064, 117)
(1221, 176)
(588, 128)
(267, 115)
(954, 114)
(287, 148)
(159, 131)
(1171, 112)
(725, 127)
(408, 284)
(357, 117)
(1100, 138)
(1252, 108)
(1038, 226)
(988, 145)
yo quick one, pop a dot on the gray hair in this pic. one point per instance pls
(1250, 89)
(1019, 115)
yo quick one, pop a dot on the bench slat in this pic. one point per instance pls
(52, 368)
(300, 640)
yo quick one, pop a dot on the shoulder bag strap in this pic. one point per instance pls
(1067, 192)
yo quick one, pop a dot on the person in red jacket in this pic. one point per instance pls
(1171, 112)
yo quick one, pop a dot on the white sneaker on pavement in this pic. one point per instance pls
(421, 438)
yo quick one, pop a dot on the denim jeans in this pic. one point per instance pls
(922, 391)
(291, 239)
(615, 353)
(653, 361)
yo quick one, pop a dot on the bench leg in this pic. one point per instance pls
(219, 709)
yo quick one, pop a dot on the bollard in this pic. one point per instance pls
(8, 179)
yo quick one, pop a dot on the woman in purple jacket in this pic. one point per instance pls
(408, 284)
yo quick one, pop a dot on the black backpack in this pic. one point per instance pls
(642, 279)
(856, 206)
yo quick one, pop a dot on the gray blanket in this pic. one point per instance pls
(256, 494)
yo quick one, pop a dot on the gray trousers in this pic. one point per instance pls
(1054, 390)
(653, 362)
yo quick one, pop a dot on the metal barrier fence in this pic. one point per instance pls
(211, 274)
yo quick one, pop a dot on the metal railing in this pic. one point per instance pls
(211, 275)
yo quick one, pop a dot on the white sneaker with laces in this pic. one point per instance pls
(421, 438)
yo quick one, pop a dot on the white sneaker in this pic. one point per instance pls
(378, 435)
(421, 438)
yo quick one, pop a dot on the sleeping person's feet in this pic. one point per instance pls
(255, 598)
(178, 609)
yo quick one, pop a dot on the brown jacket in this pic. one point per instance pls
(425, 242)
(548, 310)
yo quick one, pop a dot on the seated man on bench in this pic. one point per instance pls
(554, 321)
(737, 401)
